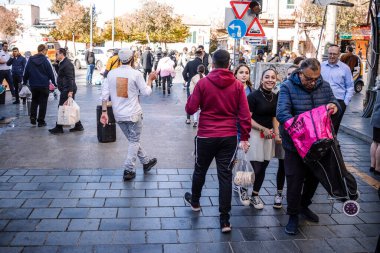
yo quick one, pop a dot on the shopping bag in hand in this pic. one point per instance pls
(68, 114)
(243, 171)
(25, 92)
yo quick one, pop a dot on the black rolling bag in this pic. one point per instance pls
(106, 133)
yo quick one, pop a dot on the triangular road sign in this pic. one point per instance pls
(255, 29)
(239, 8)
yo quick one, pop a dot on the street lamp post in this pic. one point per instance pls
(113, 25)
(91, 22)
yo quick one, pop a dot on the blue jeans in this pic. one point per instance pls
(132, 131)
(90, 71)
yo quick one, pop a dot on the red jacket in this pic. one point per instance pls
(222, 101)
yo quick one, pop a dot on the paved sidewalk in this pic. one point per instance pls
(65, 193)
(353, 123)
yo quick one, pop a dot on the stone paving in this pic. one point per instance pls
(65, 203)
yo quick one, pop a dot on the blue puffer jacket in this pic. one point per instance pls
(294, 99)
(18, 65)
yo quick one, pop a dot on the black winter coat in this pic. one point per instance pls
(147, 60)
(190, 69)
(66, 76)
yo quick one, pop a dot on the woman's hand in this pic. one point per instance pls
(268, 133)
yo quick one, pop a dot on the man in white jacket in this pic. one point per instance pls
(124, 85)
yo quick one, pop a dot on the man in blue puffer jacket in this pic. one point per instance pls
(39, 73)
(18, 62)
(303, 91)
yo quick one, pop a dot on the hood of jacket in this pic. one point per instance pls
(221, 78)
(295, 79)
(38, 59)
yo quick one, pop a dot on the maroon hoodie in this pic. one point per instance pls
(222, 101)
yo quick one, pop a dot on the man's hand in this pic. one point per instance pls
(244, 145)
(104, 118)
(278, 139)
(332, 107)
(152, 76)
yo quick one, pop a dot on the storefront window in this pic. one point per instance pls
(290, 4)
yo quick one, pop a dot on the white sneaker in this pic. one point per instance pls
(277, 201)
(243, 195)
(257, 202)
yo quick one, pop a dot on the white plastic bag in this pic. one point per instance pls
(51, 97)
(68, 114)
(243, 171)
(25, 92)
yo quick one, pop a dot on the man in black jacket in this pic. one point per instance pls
(206, 58)
(67, 87)
(39, 73)
(90, 61)
(147, 62)
(189, 71)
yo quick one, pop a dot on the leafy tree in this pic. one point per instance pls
(125, 29)
(347, 17)
(159, 24)
(9, 26)
(75, 19)
(57, 6)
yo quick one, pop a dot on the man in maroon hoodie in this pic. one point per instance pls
(222, 101)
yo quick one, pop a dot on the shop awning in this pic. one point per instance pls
(358, 33)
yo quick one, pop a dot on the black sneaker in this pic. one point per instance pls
(225, 226)
(292, 226)
(56, 130)
(76, 128)
(147, 167)
(16, 102)
(309, 215)
(196, 207)
(128, 175)
(41, 124)
(33, 121)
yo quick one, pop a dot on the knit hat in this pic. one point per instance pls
(125, 55)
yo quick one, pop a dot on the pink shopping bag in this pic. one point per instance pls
(311, 133)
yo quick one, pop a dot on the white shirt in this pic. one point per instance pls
(4, 56)
(124, 85)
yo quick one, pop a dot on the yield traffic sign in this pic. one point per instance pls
(237, 29)
(239, 8)
(255, 29)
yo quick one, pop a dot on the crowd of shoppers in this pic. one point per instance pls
(232, 114)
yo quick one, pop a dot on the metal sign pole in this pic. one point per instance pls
(236, 52)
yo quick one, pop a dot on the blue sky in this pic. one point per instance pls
(206, 9)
